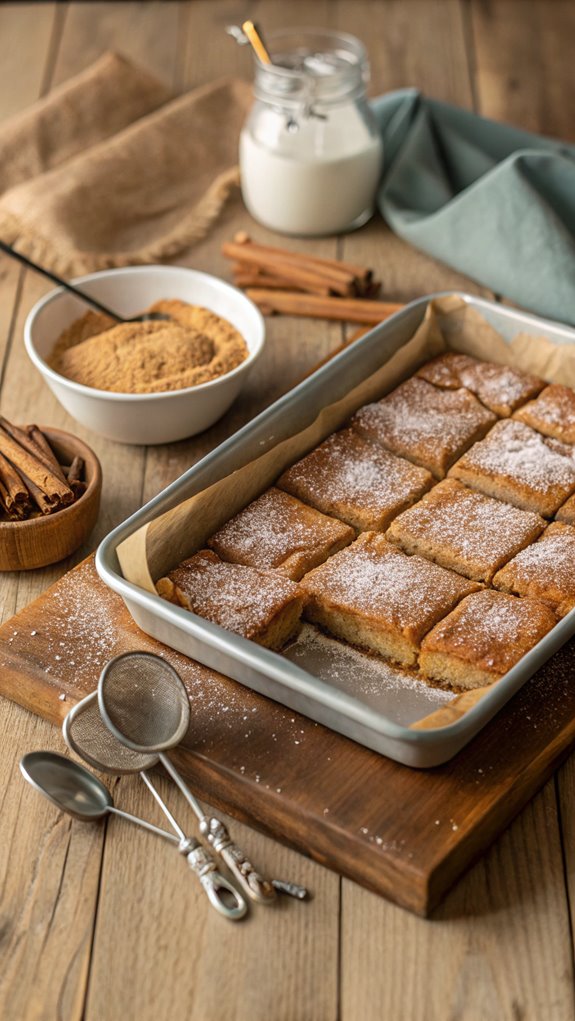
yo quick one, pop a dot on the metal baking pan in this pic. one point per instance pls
(355, 704)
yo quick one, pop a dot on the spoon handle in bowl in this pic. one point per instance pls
(59, 281)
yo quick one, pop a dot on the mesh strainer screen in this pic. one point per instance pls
(144, 701)
(87, 735)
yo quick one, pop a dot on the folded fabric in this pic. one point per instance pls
(488, 199)
(111, 194)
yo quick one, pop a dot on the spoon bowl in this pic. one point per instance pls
(67, 785)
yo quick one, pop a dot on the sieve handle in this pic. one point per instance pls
(258, 888)
(222, 895)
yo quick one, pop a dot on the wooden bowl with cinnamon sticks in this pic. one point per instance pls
(50, 487)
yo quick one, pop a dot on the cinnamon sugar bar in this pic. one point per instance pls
(498, 387)
(277, 531)
(544, 570)
(518, 465)
(482, 638)
(552, 413)
(374, 596)
(356, 481)
(428, 426)
(261, 605)
(464, 530)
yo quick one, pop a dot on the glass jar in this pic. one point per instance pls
(310, 150)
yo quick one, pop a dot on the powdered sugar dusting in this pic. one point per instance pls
(423, 423)
(498, 387)
(376, 579)
(239, 598)
(552, 413)
(274, 527)
(351, 472)
(455, 522)
(516, 451)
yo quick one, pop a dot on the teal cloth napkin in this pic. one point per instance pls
(493, 202)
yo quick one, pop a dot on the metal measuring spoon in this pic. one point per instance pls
(145, 317)
(75, 790)
(144, 704)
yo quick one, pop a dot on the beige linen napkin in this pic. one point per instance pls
(94, 193)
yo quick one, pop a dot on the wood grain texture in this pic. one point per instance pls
(409, 845)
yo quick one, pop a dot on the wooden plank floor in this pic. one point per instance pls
(100, 923)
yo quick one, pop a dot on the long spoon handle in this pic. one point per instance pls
(222, 895)
(144, 824)
(59, 281)
(256, 887)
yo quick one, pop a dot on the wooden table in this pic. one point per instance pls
(96, 922)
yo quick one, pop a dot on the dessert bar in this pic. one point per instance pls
(428, 426)
(277, 531)
(515, 463)
(464, 530)
(545, 570)
(261, 605)
(357, 481)
(373, 595)
(552, 413)
(498, 387)
(483, 638)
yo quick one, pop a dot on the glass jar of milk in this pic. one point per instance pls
(310, 151)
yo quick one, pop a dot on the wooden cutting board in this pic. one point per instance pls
(405, 834)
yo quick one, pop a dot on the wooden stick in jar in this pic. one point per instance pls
(352, 310)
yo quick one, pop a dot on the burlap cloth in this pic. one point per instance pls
(107, 172)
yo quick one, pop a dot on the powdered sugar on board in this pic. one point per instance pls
(400, 695)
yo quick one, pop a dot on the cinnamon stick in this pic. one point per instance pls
(361, 275)
(12, 485)
(24, 440)
(37, 437)
(44, 503)
(74, 476)
(353, 310)
(292, 267)
(33, 468)
(248, 278)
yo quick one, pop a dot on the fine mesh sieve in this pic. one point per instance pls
(86, 734)
(143, 702)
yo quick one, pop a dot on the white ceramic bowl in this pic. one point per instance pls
(144, 418)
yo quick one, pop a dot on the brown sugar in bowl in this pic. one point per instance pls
(25, 545)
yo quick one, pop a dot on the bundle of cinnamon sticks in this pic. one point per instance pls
(32, 480)
(294, 283)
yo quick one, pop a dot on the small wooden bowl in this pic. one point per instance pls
(45, 540)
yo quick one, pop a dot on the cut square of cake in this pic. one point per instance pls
(482, 638)
(516, 464)
(374, 596)
(428, 426)
(277, 531)
(498, 387)
(544, 570)
(261, 605)
(567, 511)
(552, 413)
(357, 481)
(464, 530)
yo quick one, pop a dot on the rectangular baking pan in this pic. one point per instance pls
(382, 724)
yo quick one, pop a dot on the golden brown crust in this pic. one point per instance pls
(278, 532)
(566, 512)
(545, 570)
(261, 605)
(464, 530)
(373, 595)
(552, 413)
(514, 463)
(498, 387)
(428, 426)
(483, 637)
(356, 481)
